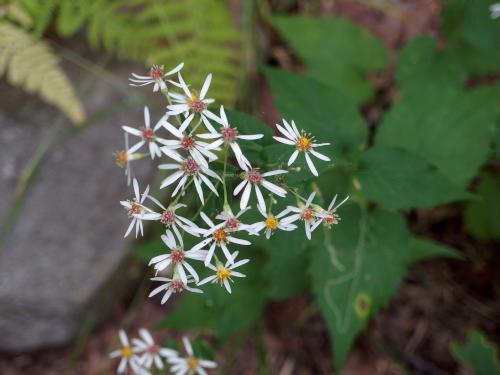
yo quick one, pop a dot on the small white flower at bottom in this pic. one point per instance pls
(224, 272)
(254, 178)
(190, 365)
(273, 223)
(307, 214)
(137, 211)
(128, 356)
(172, 286)
(149, 351)
(303, 143)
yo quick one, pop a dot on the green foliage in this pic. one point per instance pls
(30, 64)
(198, 32)
(399, 179)
(420, 65)
(478, 353)
(368, 256)
(217, 310)
(482, 215)
(449, 128)
(423, 249)
(335, 51)
(475, 36)
(319, 109)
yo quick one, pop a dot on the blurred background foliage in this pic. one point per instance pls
(435, 144)
(200, 33)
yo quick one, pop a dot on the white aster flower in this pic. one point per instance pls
(495, 10)
(171, 219)
(331, 214)
(191, 101)
(254, 178)
(224, 272)
(149, 351)
(229, 135)
(156, 77)
(303, 143)
(190, 365)
(189, 168)
(272, 223)
(220, 236)
(307, 214)
(178, 258)
(128, 356)
(123, 159)
(197, 149)
(232, 222)
(171, 286)
(137, 211)
(147, 135)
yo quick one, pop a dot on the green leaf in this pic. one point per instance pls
(336, 52)
(423, 249)
(318, 109)
(478, 353)
(449, 128)
(218, 310)
(288, 263)
(482, 216)
(399, 179)
(360, 267)
(421, 64)
(473, 33)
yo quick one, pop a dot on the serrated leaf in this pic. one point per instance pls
(482, 216)
(449, 128)
(399, 179)
(365, 259)
(336, 52)
(471, 30)
(318, 109)
(478, 353)
(421, 64)
(218, 310)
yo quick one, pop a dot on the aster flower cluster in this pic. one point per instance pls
(142, 354)
(195, 146)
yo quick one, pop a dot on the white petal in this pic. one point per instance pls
(311, 165)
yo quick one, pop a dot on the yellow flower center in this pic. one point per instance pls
(127, 352)
(272, 223)
(304, 143)
(121, 159)
(223, 274)
(192, 362)
(220, 235)
(194, 98)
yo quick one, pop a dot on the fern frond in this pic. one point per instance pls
(30, 64)
(198, 32)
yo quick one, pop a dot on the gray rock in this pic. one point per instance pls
(67, 237)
